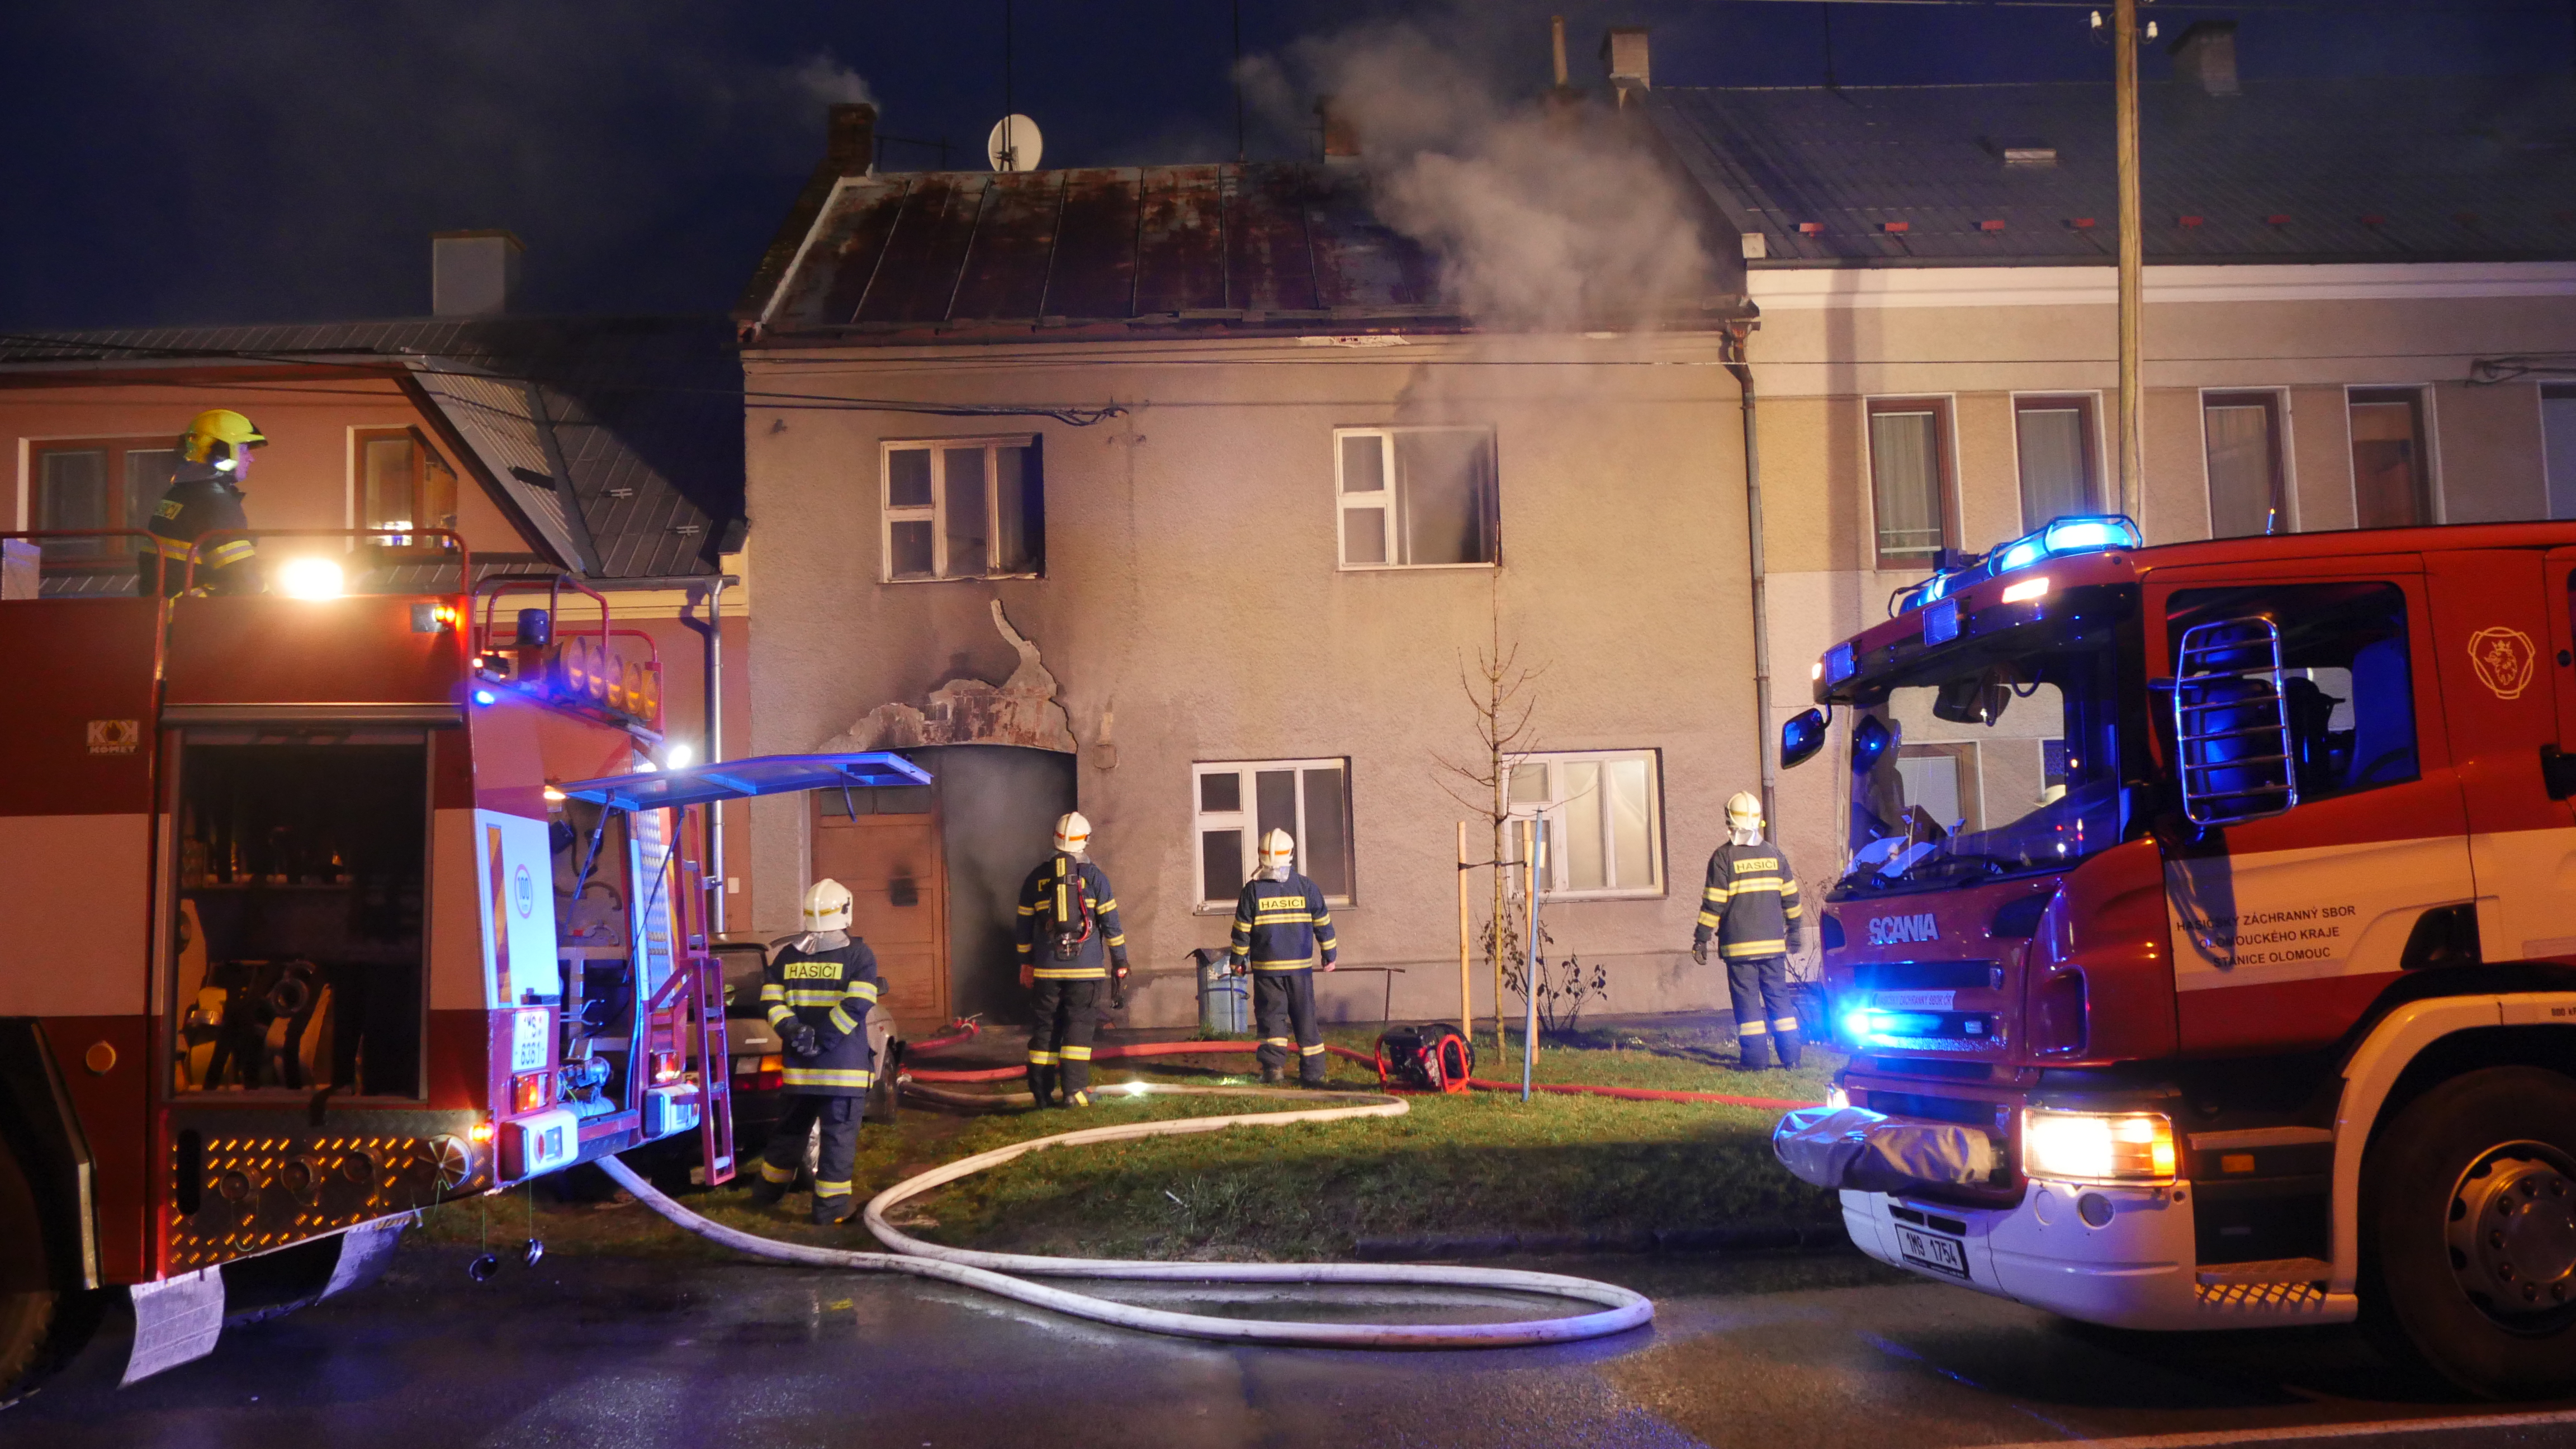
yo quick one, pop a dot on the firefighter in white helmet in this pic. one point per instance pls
(1751, 907)
(1070, 947)
(817, 993)
(1281, 929)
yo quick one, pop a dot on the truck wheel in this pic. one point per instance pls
(41, 1326)
(2468, 1233)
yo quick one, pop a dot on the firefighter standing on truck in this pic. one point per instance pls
(1280, 927)
(817, 994)
(1751, 906)
(205, 496)
(1070, 945)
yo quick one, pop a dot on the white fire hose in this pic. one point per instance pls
(999, 1273)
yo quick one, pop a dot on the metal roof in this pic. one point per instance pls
(1112, 251)
(2468, 168)
(617, 440)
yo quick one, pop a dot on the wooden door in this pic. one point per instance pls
(898, 903)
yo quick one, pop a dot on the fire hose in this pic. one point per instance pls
(1006, 1274)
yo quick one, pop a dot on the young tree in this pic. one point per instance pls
(1504, 697)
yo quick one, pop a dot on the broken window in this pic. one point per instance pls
(1603, 810)
(967, 508)
(402, 483)
(1237, 804)
(105, 483)
(1416, 497)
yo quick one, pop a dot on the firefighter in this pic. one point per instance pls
(1751, 906)
(205, 496)
(817, 994)
(1280, 928)
(1070, 945)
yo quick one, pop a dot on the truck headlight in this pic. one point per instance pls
(2097, 1146)
(1836, 1099)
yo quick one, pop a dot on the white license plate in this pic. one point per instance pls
(1933, 1251)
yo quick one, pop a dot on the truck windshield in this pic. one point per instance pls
(1992, 757)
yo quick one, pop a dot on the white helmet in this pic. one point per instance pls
(1744, 813)
(1073, 834)
(827, 906)
(1278, 850)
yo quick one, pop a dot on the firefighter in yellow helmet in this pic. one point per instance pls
(817, 994)
(1281, 930)
(205, 496)
(1751, 907)
(1070, 947)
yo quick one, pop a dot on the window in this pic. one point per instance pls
(402, 482)
(2055, 440)
(2558, 439)
(973, 508)
(1601, 810)
(103, 483)
(2392, 484)
(2343, 648)
(1416, 497)
(1237, 804)
(1909, 480)
(2242, 432)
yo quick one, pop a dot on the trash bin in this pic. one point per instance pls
(1225, 1000)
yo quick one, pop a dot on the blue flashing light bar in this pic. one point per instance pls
(1941, 622)
(2078, 533)
(1841, 663)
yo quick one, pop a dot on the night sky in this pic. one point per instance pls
(269, 161)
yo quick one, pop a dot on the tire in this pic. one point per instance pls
(41, 1324)
(2468, 1233)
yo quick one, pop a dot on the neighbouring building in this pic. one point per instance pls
(2354, 291)
(603, 450)
(1193, 495)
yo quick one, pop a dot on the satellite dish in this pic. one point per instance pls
(1014, 144)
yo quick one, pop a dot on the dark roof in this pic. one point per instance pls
(1117, 251)
(618, 441)
(2475, 168)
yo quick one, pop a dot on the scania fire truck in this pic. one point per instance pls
(322, 905)
(2206, 941)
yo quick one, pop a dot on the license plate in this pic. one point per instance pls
(1931, 1250)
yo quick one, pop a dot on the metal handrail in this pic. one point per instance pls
(464, 555)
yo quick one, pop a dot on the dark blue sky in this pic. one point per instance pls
(268, 160)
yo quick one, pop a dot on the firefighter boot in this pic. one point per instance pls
(1042, 1085)
(1784, 1039)
(773, 1184)
(1272, 1076)
(831, 1211)
(1755, 1049)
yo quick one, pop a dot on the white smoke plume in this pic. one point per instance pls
(823, 77)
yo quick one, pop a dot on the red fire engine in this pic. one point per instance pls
(323, 909)
(2205, 940)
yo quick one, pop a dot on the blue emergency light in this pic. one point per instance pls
(2077, 533)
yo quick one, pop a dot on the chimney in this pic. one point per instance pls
(1623, 52)
(850, 138)
(473, 273)
(2205, 55)
(1341, 138)
(1563, 100)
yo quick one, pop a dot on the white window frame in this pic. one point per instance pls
(2433, 489)
(2289, 459)
(1952, 501)
(2106, 474)
(888, 515)
(1247, 820)
(1389, 501)
(1554, 887)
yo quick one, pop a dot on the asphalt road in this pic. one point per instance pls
(582, 1352)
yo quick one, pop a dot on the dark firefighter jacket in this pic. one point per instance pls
(1067, 898)
(1280, 925)
(830, 991)
(1751, 902)
(200, 502)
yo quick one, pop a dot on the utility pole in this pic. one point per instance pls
(2124, 48)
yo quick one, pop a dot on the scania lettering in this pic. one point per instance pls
(2205, 937)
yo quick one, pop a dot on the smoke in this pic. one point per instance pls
(827, 80)
(1543, 219)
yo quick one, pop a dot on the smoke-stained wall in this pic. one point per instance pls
(997, 807)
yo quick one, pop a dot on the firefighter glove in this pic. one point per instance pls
(802, 1040)
(1699, 950)
(1028, 976)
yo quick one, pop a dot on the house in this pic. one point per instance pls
(1192, 496)
(2352, 289)
(603, 450)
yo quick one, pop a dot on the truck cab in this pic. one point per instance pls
(2205, 936)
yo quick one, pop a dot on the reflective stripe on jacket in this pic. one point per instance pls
(1751, 903)
(1076, 893)
(1280, 925)
(832, 992)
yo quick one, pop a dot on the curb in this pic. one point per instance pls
(1748, 1238)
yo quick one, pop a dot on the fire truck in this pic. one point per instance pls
(2206, 942)
(325, 904)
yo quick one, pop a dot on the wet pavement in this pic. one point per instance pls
(591, 1351)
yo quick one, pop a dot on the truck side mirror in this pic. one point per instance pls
(2231, 713)
(1801, 737)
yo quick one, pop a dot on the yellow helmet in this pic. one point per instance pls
(219, 426)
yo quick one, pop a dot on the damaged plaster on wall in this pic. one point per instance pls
(1021, 710)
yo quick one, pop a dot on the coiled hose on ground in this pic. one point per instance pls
(1002, 1273)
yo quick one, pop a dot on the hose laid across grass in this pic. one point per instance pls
(997, 1273)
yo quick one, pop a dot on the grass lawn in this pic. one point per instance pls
(1465, 1164)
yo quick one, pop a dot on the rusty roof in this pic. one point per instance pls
(2379, 169)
